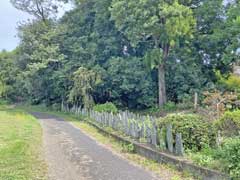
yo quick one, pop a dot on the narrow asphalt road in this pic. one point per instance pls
(72, 155)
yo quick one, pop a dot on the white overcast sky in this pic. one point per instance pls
(9, 17)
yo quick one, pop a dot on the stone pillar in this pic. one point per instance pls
(169, 138)
(179, 145)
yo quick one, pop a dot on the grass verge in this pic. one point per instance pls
(20, 146)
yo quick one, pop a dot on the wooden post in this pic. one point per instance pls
(195, 101)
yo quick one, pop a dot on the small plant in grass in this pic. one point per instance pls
(107, 107)
(128, 148)
(202, 158)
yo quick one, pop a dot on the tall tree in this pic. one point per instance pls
(39, 59)
(163, 23)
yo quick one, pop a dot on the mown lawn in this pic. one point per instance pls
(20, 147)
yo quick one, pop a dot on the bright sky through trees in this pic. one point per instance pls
(9, 16)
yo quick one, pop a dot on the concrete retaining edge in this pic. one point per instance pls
(161, 157)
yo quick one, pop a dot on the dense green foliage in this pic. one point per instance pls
(230, 156)
(196, 133)
(229, 123)
(107, 107)
(135, 54)
(158, 24)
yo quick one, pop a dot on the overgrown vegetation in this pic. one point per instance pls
(196, 132)
(229, 155)
(229, 124)
(107, 107)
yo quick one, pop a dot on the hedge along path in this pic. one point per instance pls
(72, 155)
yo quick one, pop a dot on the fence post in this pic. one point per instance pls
(195, 101)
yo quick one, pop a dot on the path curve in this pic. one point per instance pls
(72, 155)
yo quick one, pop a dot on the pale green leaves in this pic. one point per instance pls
(179, 21)
(160, 19)
(153, 58)
(84, 82)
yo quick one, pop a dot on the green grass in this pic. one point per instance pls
(20, 146)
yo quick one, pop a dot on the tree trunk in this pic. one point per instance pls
(162, 98)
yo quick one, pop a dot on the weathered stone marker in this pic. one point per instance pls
(162, 139)
(154, 136)
(169, 138)
(179, 145)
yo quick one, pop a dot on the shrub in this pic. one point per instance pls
(128, 148)
(186, 102)
(201, 159)
(107, 107)
(219, 102)
(3, 102)
(56, 107)
(229, 153)
(156, 111)
(170, 106)
(196, 132)
(229, 123)
(206, 158)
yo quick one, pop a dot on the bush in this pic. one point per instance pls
(170, 106)
(206, 158)
(229, 153)
(56, 107)
(107, 107)
(3, 102)
(229, 123)
(196, 132)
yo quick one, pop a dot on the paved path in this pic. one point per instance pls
(72, 155)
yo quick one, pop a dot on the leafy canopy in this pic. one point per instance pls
(164, 21)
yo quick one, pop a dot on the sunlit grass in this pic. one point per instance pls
(20, 146)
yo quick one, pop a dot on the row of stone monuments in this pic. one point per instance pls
(140, 128)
